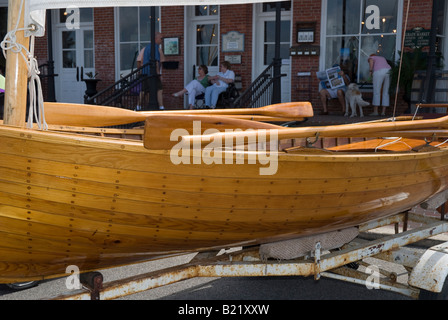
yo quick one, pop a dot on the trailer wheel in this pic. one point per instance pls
(429, 295)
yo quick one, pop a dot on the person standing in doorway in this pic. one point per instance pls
(380, 71)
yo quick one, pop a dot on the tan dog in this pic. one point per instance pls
(353, 98)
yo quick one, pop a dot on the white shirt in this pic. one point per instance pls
(229, 74)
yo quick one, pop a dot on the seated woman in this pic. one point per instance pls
(196, 86)
(220, 82)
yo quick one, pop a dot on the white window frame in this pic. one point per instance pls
(323, 36)
(118, 71)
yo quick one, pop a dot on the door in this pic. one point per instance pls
(203, 26)
(265, 43)
(74, 59)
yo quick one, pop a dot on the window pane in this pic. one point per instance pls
(207, 56)
(343, 51)
(127, 54)
(213, 10)
(343, 19)
(207, 34)
(69, 59)
(88, 39)
(269, 52)
(269, 31)
(145, 23)
(380, 45)
(128, 24)
(201, 10)
(86, 14)
(88, 59)
(270, 7)
(388, 10)
(68, 39)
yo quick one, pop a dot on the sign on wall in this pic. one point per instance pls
(417, 37)
(233, 41)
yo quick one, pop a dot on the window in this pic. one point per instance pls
(269, 41)
(206, 10)
(271, 6)
(349, 41)
(85, 14)
(206, 22)
(134, 33)
(207, 45)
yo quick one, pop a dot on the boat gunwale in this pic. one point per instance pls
(117, 144)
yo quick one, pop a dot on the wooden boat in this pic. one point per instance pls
(96, 197)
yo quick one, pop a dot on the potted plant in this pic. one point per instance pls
(91, 83)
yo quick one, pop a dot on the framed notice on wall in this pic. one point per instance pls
(171, 46)
(305, 32)
(233, 41)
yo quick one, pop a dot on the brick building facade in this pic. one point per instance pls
(244, 18)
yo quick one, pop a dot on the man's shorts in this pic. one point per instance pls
(147, 84)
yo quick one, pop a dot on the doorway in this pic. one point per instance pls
(264, 44)
(74, 54)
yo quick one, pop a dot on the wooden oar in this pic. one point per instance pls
(81, 115)
(163, 131)
(346, 130)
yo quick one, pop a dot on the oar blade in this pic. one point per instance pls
(164, 131)
(84, 115)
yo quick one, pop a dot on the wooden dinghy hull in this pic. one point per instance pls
(68, 199)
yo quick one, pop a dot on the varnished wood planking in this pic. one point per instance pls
(99, 203)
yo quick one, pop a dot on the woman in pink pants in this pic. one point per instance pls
(379, 69)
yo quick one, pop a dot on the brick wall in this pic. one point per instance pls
(104, 46)
(232, 18)
(172, 19)
(239, 18)
(306, 11)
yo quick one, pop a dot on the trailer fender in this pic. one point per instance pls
(431, 270)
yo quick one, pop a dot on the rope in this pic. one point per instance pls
(36, 97)
(392, 142)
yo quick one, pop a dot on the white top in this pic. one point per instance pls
(229, 74)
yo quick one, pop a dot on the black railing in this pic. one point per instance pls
(259, 93)
(125, 93)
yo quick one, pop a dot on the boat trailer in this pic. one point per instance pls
(427, 269)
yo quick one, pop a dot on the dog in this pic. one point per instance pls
(353, 98)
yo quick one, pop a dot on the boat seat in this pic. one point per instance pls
(394, 145)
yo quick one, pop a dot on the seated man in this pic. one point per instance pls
(327, 93)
